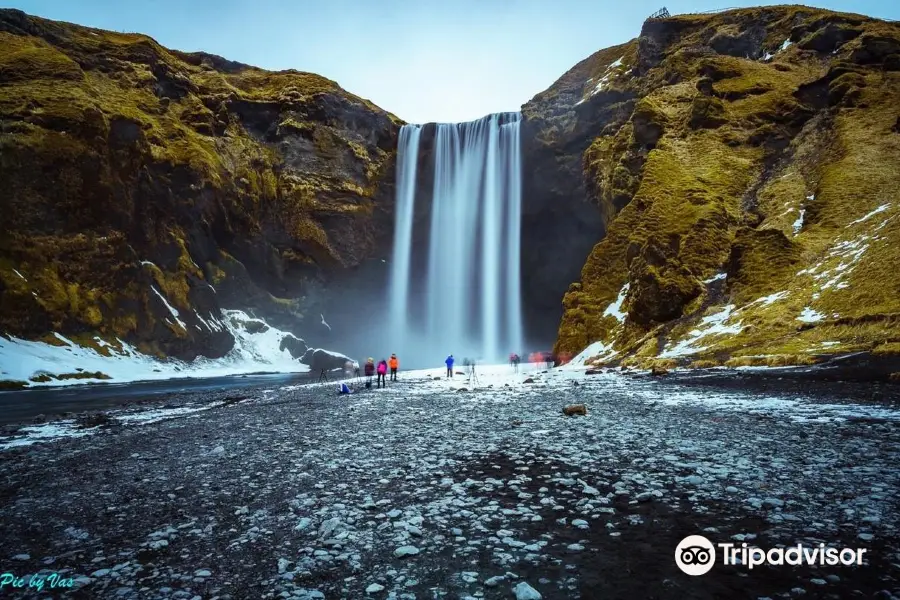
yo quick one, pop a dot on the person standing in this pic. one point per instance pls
(370, 371)
(382, 373)
(394, 364)
(449, 363)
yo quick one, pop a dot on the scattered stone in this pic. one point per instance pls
(406, 551)
(575, 409)
(580, 524)
(523, 591)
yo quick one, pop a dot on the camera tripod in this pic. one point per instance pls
(323, 376)
(473, 377)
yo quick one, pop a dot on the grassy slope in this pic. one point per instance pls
(722, 186)
(114, 149)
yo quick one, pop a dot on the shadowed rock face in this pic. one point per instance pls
(560, 220)
(132, 172)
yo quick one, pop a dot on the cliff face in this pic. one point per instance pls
(560, 221)
(743, 187)
(144, 189)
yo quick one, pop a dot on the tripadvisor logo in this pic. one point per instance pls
(696, 555)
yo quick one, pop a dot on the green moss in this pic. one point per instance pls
(728, 172)
(29, 59)
(761, 261)
(83, 375)
(887, 348)
(12, 384)
(703, 364)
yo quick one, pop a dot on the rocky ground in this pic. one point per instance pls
(428, 490)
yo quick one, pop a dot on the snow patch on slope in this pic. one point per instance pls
(615, 308)
(871, 214)
(770, 299)
(716, 277)
(710, 325)
(847, 254)
(798, 224)
(810, 316)
(171, 308)
(604, 80)
(596, 351)
(252, 353)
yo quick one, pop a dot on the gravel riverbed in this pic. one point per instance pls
(439, 489)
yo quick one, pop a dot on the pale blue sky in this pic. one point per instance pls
(423, 60)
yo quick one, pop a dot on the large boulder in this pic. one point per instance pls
(319, 359)
(294, 345)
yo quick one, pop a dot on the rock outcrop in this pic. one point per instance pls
(560, 222)
(739, 175)
(145, 188)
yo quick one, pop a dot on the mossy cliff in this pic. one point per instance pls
(742, 169)
(135, 176)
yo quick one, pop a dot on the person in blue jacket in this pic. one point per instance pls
(449, 363)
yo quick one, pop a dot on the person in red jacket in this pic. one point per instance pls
(394, 364)
(382, 373)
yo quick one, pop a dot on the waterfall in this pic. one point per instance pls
(512, 145)
(407, 158)
(468, 300)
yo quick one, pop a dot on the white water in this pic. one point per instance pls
(470, 302)
(408, 148)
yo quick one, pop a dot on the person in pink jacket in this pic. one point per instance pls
(382, 372)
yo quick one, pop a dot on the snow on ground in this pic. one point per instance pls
(601, 84)
(770, 299)
(846, 253)
(44, 432)
(615, 308)
(597, 350)
(710, 325)
(810, 316)
(798, 224)
(171, 308)
(871, 214)
(252, 353)
(462, 494)
(716, 277)
(784, 46)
